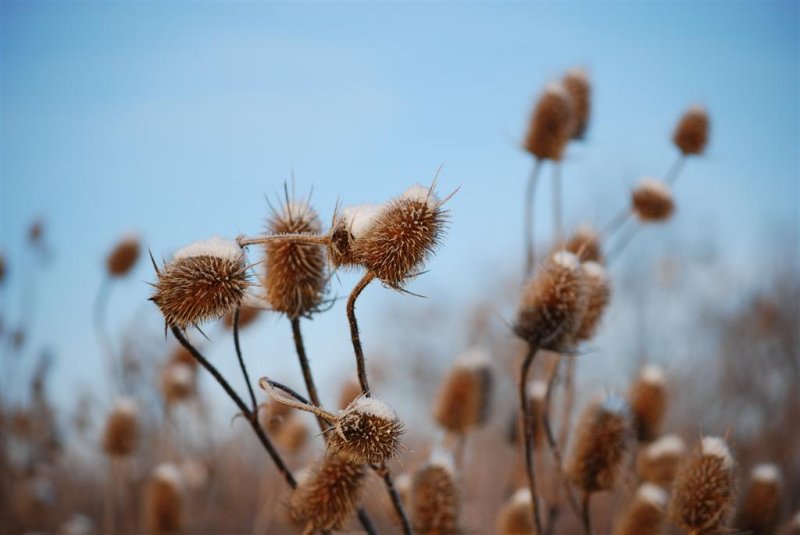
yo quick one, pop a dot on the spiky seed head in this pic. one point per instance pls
(652, 201)
(121, 432)
(601, 445)
(124, 256)
(648, 401)
(759, 511)
(645, 514)
(658, 461)
(367, 431)
(585, 243)
(551, 124)
(704, 488)
(293, 434)
(349, 224)
(598, 290)
(402, 236)
(465, 395)
(204, 281)
(515, 515)
(177, 382)
(435, 500)
(247, 316)
(295, 274)
(579, 89)
(351, 389)
(553, 304)
(164, 501)
(325, 497)
(273, 415)
(691, 134)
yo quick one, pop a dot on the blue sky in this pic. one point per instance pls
(174, 119)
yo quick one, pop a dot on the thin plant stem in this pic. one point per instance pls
(309, 239)
(528, 431)
(530, 195)
(622, 243)
(397, 502)
(354, 335)
(587, 516)
(238, 348)
(311, 388)
(616, 223)
(557, 203)
(675, 170)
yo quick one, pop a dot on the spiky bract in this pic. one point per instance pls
(367, 431)
(551, 124)
(691, 134)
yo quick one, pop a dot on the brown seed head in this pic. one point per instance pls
(121, 433)
(585, 244)
(183, 356)
(648, 401)
(349, 224)
(247, 316)
(351, 389)
(325, 498)
(758, 513)
(691, 134)
(579, 90)
(645, 514)
(367, 431)
(598, 289)
(204, 281)
(652, 201)
(273, 416)
(123, 257)
(293, 434)
(177, 382)
(553, 303)
(551, 124)
(601, 445)
(164, 501)
(465, 395)
(435, 502)
(704, 488)
(295, 275)
(515, 516)
(658, 461)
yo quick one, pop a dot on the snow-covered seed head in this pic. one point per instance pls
(204, 281)
(598, 290)
(435, 500)
(349, 224)
(579, 89)
(691, 134)
(704, 488)
(761, 506)
(645, 514)
(658, 461)
(585, 244)
(401, 237)
(651, 201)
(247, 316)
(553, 303)
(123, 256)
(601, 445)
(295, 273)
(177, 382)
(121, 432)
(367, 431)
(164, 501)
(551, 124)
(515, 516)
(326, 497)
(648, 400)
(465, 395)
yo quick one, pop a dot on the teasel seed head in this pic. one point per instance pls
(326, 497)
(648, 401)
(551, 124)
(645, 514)
(704, 488)
(177, 382)
(691, 134)
(164, 501)
(121, 432)
(295, 273)
(585, 243)
(247, 316)
(464, 397)
(124, 256)
(652, 201)
(758, 513)
(351, 389)
(553, 304)
(367, 431)
(576, 82)
(293, 435)
(435, 501)
(658, 461)
(515, 515)
(204, 281)
(273, 416)
(601, 445)
(349, 224)
(598, 290)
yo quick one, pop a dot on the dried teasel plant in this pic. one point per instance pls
(551, 125)
(761, 506)
(691, 133)
(435, 498)
(645, 514)
(598, 291)
(648, 401)
(464, 397)
(579, 89)
(515, 515)
(178, 381)
(585, 243)
(121, 432)
(651, 201)
(123, 256)
(164, 501)
(658, 461)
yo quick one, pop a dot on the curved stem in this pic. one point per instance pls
(238, 348)
(557, 203)
(587, 517)
(354, 336)
(304, 364)
(527, 419)
(621, 244)
(530, 195)
(270, 388)
(675, 170)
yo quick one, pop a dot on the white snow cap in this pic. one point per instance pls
(767, 473)
(474, 358)
(360, 218)
(403, 482)
(716, 447)
(522, 496)
(696, 109)
(652, 494)
(653, 374)
(168, 473)
(130, 236)
(615, 403)
(126, 406)
(373, 407)
(537, 390)
(214, 246)
(666, 445)
(654, 186)
(566, 259)
(443, 459)
(421, 194)
(556, 88)
(594, 270)
(578, 72)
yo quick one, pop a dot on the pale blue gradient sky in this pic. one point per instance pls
(175, 119)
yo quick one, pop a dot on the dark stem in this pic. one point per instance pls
(405, 523)
(674, 170)
(354, 336)
(307, 376)
(251, 416)
(587, 517)
(530, 195)
(527, 425)
(241, 361)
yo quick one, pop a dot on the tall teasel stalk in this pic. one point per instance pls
(435, 499)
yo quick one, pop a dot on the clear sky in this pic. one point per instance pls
(174, 120)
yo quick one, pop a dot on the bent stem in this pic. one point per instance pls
(354, 336)
(675, 170)
(527, 419)
(311, 388)
(238, 348)
(530, 194)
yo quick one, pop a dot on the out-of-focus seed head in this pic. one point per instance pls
(551, 124)
(645, 514)
(351, 389)
(598, 290)
(601, 445)
(691, 134)
(553, 304)
(123, 256)
(121, 432)
(204, 281)
(648, 401)
(579, 89)
(247, 316)
(515, 515)
(367, 431)
(164, 501)
(651, 201)
(465, 395)
(273, 416)
(658, 461)
(435, 500)
(585, 244)
(295, 275)
(761, 507)
(177, 382)
(704, 488)
(293, 435)
(326, 497)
